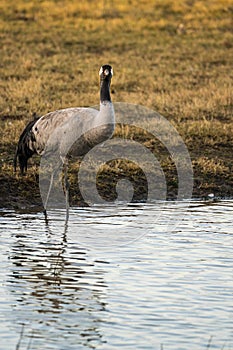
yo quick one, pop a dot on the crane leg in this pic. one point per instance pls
(66, 190)
(66, 187)
(49, 191)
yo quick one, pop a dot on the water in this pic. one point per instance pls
(118, 278)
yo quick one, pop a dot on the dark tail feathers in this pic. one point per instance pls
(23, 151)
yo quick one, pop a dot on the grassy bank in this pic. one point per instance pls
(174, 57)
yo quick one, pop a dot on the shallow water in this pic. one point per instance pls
(118, 277)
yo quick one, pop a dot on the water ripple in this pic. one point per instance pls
(168, 288)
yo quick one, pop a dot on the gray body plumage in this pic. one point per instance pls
(82, 127)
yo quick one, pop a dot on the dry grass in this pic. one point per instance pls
(174, 57)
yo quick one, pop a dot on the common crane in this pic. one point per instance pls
(87, 126)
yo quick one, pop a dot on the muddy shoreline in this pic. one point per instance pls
(22, 192)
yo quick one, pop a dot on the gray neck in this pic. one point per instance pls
(106, 114)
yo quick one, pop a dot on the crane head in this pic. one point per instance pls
(106, 72)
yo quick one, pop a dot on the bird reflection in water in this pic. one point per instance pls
(59, 290)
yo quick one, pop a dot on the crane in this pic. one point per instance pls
(52, 132)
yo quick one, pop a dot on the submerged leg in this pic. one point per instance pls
(66, 188)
